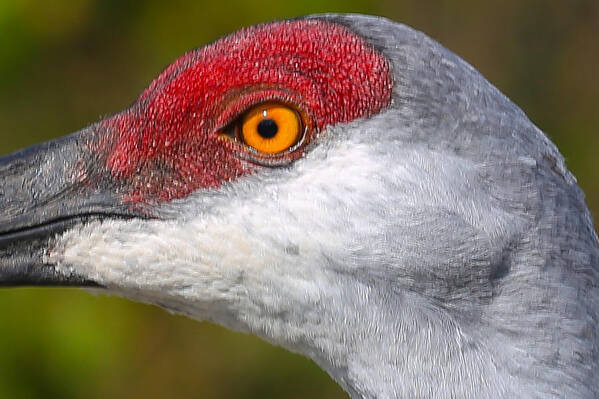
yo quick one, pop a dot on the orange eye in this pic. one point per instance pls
(271, 128)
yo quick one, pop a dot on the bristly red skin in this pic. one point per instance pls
(166, 145)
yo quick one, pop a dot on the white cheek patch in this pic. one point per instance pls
(284, 227)
(150, 253)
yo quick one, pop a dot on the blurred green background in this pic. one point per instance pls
(65, 63)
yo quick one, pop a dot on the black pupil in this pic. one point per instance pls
(267, 128)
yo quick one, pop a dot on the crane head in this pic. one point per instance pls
(340, 185)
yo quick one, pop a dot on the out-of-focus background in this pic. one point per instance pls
(66, 63)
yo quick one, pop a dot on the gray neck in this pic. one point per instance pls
(403, 345)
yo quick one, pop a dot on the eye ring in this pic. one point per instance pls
(269, 129)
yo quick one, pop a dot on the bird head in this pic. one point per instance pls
(340, 185)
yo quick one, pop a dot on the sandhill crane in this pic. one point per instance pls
(339, 185)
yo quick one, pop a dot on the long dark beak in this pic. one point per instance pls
(44, 191)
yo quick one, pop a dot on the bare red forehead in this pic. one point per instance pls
(165, 146)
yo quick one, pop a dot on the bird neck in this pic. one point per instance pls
(396, 346)
(387, 344)
(382, 344)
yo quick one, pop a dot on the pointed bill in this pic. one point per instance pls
(45, 190)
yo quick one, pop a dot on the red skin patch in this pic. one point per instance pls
(167, 144)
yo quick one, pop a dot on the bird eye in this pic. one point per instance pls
(271, 128)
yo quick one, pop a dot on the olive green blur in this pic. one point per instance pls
(67, 63)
